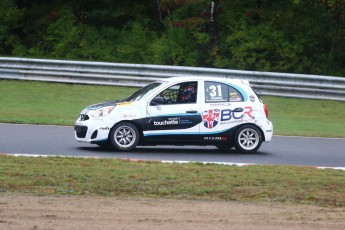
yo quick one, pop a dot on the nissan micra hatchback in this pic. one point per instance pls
(225, 113)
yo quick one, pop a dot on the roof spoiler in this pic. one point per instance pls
(246, 82)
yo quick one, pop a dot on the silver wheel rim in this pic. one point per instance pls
(248, 139)
(124, 136)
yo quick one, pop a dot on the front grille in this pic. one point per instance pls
(80, 131)
(84, 117)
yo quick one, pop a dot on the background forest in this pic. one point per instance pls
(295, 36)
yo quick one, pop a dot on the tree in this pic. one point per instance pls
(283, 36)
(214, 28)
(10, 16)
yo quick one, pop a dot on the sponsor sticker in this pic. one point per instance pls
(127, 116)
(126, 103)
(215, 138)
(215, 105)
(167, 122)
(213, 117)
(210, 118)
(234, 96)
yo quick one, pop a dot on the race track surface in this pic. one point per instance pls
(59, 140)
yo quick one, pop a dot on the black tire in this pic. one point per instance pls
(124, 136)
(247, 139)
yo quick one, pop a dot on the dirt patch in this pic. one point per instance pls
(18, 211)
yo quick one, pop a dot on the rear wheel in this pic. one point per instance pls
(247, 139)
(124, 136)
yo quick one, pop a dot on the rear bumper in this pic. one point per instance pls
(268, 131)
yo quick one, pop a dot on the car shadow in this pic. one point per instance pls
(176, 150)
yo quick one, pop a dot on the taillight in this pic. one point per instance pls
(266, 110)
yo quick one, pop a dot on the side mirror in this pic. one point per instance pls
(158, 101)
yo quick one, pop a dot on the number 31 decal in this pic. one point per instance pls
(215, 91)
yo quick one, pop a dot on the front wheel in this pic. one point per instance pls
(124, 136)
(247, 139)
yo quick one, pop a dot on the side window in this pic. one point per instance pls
(219, 92)
(185, 92)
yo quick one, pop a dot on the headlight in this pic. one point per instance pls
(102, 112)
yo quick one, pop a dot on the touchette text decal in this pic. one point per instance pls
(169, 121)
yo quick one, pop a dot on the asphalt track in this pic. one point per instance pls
(59, 140)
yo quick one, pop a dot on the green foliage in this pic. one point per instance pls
(280, 36)
(252, 48)
(133, 44)
(65, 38)
(176, 47)
(10, 16)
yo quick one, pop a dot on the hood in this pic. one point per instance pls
(101, 105)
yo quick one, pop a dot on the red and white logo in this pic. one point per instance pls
(210, 118)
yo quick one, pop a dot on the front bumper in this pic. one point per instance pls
(91, 131)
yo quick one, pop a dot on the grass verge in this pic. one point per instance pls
(77, 176)
(51, 103)
(56, 103)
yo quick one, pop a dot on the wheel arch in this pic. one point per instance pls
(136, 124)
(262, 135)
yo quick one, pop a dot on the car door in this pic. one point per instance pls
(223, 108)
(173, 115)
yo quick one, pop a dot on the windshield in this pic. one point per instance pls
(141, 92)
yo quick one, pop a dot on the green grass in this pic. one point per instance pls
(305, 117)
(53, 103)
(76, 176)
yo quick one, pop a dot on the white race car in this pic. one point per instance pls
(222, 112)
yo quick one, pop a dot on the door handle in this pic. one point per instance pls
(191, 111)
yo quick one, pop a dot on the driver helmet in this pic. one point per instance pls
(187, 93)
